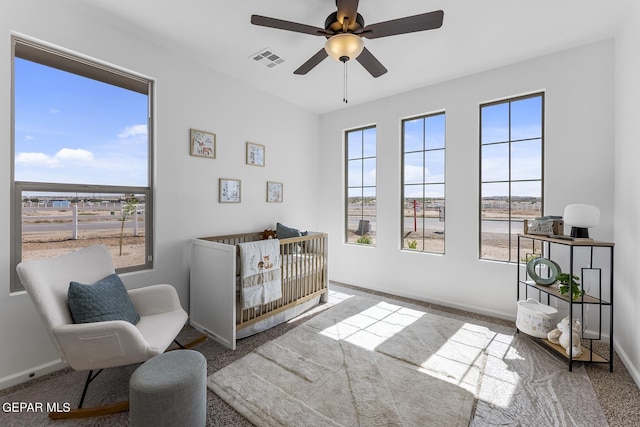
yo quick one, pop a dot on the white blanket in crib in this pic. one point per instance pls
(260, 272)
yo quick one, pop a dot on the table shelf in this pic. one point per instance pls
(576, 306)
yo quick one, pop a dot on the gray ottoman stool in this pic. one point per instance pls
(169, 390)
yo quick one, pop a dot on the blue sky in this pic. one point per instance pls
(526, 116)
(526, 156)
(425, 133)
(519, 121)
(361, 153)
(71, 129)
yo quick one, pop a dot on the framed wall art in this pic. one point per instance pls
(255, 154)
(203, 144)
(274, 192)
(229, 190)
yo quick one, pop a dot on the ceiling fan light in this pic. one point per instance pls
(344, 47)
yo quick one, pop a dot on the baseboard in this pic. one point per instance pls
(29, 374)
(635, 374)
(604, 335)
(444, 303)
(474, 309)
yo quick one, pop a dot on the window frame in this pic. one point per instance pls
(362, 186)
(424, 182)
(52, 56)
(509, 181)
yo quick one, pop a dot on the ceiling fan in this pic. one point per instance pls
(344, 30)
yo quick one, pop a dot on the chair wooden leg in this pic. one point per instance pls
(91, 412)
(191, 343)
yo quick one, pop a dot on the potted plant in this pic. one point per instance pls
(530, 257)
(365, 240)
(566, 281)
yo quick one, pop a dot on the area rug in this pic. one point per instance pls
(373, 363)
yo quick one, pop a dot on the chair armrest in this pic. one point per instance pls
(155, 299)
(101, 344)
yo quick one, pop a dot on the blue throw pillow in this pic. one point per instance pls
(106, 299)
(284, 232)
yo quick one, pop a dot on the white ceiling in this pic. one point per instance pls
(476, 36)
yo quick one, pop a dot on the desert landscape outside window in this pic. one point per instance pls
(511, 172)
(82, 158)
(423, 183)
(361, 203)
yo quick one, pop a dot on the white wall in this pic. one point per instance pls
(627, 195)
(579, 169)
(580, 119)
(186, 188)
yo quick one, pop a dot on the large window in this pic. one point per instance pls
(82, 158)
(423, 194)
(361, 204)
(511, 172)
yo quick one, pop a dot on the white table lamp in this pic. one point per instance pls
(581, 218)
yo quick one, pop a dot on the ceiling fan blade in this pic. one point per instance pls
(347, 8)
(281, 24)
(371, 63)
(409, 24)
(311, 62)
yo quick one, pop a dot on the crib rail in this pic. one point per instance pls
(234, 239)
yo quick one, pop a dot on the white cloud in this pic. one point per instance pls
(77, 154)
(413, 174)
(62, 158)
(370, 177)
(135, 131)
(33, 159)
(54, 110)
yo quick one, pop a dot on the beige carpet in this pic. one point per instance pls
(521, 384)
(373, 363)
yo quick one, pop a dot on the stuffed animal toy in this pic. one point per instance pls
(269, 234)
(561, 336)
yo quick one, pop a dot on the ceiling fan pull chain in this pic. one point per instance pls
(344, 86)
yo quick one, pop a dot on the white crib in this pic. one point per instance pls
(214, 285)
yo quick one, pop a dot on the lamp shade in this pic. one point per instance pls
(581, 217)
(344, 46)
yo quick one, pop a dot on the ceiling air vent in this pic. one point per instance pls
(267, 58)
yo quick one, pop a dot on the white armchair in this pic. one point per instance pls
(94, 346)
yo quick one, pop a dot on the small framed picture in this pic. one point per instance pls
(274, 192)
(255, 154)
(203, 144)
(229, 190)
